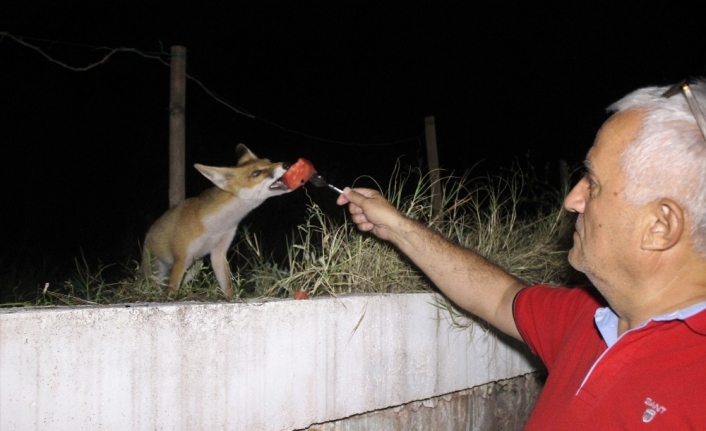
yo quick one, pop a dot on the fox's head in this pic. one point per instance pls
(251, 178)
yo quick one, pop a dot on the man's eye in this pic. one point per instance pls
(591, 184)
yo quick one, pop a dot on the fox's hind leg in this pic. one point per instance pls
(154, 267)
(176, 274)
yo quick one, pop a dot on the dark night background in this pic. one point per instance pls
(345, 84)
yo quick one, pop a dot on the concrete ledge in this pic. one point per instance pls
(278, 365)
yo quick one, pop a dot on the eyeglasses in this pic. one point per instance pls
(691, 100)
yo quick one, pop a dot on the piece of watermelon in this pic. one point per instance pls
(298, 174)
(300, 294)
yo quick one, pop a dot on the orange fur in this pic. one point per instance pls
(206, 224)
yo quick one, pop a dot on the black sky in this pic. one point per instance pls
(84, 153)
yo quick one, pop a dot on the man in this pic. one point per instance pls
(631, 353)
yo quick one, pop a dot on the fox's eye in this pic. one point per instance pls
(255, 174)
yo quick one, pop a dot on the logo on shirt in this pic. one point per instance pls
(652, 409)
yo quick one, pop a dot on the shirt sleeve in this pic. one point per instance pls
(544, 314)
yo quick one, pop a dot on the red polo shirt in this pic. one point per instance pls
(653, 377)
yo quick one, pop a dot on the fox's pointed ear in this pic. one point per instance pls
(664, 227)
(218, 176)
(244, 154)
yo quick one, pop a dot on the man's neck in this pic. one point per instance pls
(657, 302)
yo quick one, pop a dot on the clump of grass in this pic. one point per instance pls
(513, 220)
(525, 233)
(330, 258)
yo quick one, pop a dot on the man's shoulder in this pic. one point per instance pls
(548, 316)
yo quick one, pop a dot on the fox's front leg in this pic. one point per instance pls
(219, 262)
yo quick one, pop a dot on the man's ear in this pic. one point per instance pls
(664, 227)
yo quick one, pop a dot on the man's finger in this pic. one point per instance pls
(358, 196)
(342, 198)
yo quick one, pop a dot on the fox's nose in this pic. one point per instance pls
(286, 165)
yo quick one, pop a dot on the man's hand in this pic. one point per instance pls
(371, 212)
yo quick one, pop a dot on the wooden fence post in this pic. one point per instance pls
(177, 125)
(433, 160)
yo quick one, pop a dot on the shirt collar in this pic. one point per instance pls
(607, 321)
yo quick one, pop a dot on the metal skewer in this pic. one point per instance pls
(319, 181)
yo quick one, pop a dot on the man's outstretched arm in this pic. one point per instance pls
(468, 279)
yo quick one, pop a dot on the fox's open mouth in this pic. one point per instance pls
(278, 185)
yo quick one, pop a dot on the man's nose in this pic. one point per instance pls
(575, 201)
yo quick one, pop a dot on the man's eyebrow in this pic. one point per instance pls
(587, 165)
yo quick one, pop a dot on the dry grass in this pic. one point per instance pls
(515, 221)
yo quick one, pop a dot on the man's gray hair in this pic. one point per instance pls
(667, 158)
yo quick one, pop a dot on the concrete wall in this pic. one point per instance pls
(278, 365)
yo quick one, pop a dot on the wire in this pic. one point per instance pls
(160, 56)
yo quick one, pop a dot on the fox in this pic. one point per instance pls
(206, 224)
